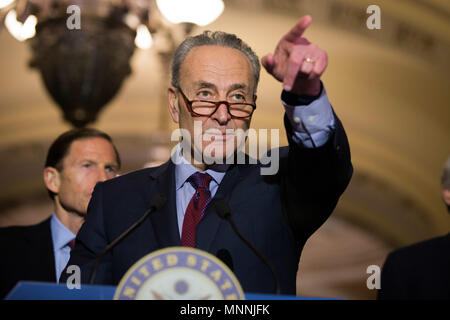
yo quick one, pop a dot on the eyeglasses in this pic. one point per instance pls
(202, 108)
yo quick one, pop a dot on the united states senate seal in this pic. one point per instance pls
(179, 273)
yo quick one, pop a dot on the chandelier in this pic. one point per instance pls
(82, 48)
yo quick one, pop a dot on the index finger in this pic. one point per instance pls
(296, 32)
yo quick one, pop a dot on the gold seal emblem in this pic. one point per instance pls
(179, 273)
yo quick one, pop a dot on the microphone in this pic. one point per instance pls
(156, 203)
(224, 212)
(225, 256)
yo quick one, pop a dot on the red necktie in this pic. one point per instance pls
(196, 207)
(71, 243)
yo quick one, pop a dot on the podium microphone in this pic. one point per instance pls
(156, 203)
(224, 211)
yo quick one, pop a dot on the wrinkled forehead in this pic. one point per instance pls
(219, 66)
(90, 148)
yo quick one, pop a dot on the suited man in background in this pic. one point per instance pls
(214, 85)
(76, 161)
(420, 270)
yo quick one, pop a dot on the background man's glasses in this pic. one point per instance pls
(202, 108)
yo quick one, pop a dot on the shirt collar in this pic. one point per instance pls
(61, 235)
(183, 170)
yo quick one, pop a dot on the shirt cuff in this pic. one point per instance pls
(311, 118)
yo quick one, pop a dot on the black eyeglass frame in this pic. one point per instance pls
(217, 104)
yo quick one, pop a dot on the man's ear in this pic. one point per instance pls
(52, 179)
(173, 104)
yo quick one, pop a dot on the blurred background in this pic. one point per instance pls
(389, 86)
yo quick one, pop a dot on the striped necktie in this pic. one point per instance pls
(196, 208)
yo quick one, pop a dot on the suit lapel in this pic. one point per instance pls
(40, 248)
(209, 225)
(164, 221)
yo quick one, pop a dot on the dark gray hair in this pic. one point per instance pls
(445, 178)
(210, 38)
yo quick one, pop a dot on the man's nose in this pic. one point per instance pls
(221, 114)
(103, 175)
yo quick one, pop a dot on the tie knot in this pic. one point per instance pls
(200, 180)
(71, 243)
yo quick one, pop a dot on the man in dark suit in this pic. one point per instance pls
(214, 81)
(76, 161)
(420, 270)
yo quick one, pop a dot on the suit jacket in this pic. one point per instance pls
(27, 254)
(418, 271)
(276, 213)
